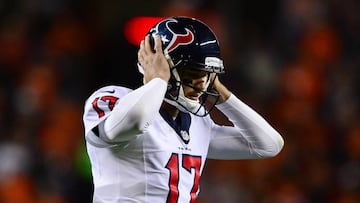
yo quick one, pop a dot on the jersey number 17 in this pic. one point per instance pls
(188, 162)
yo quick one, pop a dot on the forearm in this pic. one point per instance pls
(260, 136)
(134, 111)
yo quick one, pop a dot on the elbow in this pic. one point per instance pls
(121, 136)
(280, 143)
(272, 149)
(275, 151)
(120, 131)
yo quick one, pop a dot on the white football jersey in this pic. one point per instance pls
(163, 163)
(155, 166)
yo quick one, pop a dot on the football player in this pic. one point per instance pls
(150, 144)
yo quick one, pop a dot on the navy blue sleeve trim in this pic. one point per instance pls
(96, 131)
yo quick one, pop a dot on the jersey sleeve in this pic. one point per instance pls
(119, 117)
(97, 108)
(251, 136)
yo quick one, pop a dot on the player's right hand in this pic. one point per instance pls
(154, 63)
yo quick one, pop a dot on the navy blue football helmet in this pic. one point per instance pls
(189, 43)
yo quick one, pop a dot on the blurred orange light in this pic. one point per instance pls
(136, 28)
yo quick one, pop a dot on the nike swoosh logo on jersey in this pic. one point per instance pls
(111, 92)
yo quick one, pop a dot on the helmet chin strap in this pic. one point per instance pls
(183, 103)
(183, 106)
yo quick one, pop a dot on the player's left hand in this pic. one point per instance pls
(220, 88)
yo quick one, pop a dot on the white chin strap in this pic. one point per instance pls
(183, 103)
(187, 105)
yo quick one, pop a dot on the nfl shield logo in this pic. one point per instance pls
(185, 136)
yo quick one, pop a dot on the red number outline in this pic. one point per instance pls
(111, 103)
(188, 162)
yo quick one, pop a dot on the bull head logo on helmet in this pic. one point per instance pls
(176, 39)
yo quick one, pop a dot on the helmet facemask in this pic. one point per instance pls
(176, 97)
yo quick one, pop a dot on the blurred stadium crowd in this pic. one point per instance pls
(296, 61)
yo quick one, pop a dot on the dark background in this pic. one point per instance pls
(295, 61)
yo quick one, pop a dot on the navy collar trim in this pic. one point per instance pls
(181, 124)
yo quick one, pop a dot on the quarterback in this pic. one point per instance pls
(150, 144)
